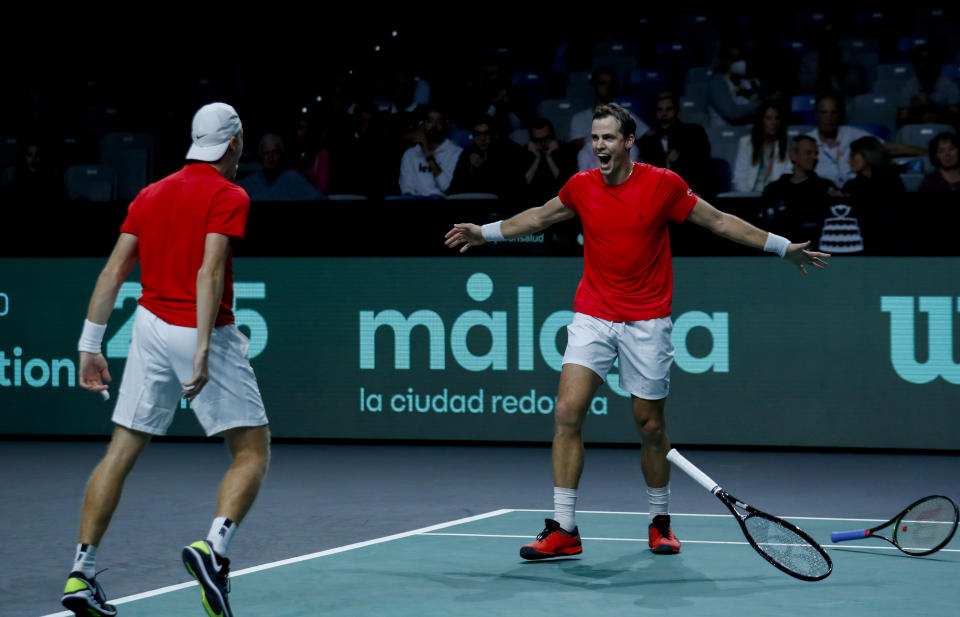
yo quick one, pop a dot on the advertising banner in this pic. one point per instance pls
(864, 354)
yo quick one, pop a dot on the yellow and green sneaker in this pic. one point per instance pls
(212, 571)
(84, 596)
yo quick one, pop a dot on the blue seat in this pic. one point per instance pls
(794, 44)
(893, 71)
(462, 137)
(534, 84)
(131, 155)
(951, 70)
(877, 109)
(91, 183)
(579, 90)
(803, 108)
(725, 141)
(559, 112)
(920, 134)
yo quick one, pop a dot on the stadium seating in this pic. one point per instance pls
(91, 182)
(131, 156)
(559, 112)
(803, 108)
(873, 109)
(920, 134)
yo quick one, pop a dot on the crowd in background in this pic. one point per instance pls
(754, 105)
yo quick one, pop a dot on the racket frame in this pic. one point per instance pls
(895, 522)
(732, 503)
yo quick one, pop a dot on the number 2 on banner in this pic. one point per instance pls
(119, 344)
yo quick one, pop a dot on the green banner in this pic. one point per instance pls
(864, 354)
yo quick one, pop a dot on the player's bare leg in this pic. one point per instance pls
(250, 447)
(106, 482)
(578, 384)
(649, 416)
(206, 560)
(560, 537)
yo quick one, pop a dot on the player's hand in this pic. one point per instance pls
(201, 375)
(465, 234)
(93, 371)
(799, 256)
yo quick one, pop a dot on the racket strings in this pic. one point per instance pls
(787, 548)
(927, 525)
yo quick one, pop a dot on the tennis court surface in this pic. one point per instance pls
(470, 567)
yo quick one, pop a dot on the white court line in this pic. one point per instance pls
(491, 535)
(802, 518)
(332, 551)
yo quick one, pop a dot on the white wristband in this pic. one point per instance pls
(776, 244)
(91, 337)
(491, 232)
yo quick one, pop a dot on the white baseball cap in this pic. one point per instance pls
(213, 126)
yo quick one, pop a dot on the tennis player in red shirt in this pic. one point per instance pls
(622, 309)
(185, 344)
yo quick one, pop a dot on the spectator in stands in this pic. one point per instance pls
(549, 162)
(274, 182)
(875, 176)
(32, 180)
(488, 165)
(834, 140)
(929, 96)
(492, 95)
(362, 162)
(733, 95)
(823, 67)
(406, 110)
(945, 157)
(311, 158)
(604, 83)
(426, 169)
(680, 147)
(876, 194)
(762, 155)
(797, 202)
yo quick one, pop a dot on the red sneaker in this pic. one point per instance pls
(662, 541)
(553, 541)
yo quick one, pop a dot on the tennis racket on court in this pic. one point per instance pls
(781, 543)
(924, 527)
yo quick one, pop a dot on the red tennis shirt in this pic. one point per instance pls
(627, 272)
(171, 219)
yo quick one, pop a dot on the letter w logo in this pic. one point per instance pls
(903, 354)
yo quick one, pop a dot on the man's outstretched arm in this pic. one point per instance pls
(736, 229)
(529, 221)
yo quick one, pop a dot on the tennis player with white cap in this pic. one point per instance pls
(180, 230)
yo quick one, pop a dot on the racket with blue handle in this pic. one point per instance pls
(781, 543)
(922, 528)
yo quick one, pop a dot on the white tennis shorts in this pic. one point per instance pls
(161, 360)
(644, 349)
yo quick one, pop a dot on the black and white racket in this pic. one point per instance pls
(783, 544)
(924, 527)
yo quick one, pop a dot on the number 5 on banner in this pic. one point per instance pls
(249, 317)
(119, 344)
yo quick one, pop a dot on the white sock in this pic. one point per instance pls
(221, 532)
(85, 560)
(659, 499)
(564, 507)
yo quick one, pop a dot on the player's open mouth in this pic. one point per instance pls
(604, 159)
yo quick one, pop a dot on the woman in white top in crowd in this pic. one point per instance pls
(762, 155)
